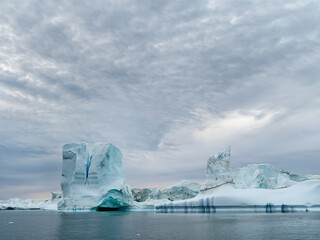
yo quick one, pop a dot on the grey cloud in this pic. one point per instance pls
(134, 72)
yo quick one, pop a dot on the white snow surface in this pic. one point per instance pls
(253, 185)
(306, 193)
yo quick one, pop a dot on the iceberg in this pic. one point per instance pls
(263, 176)
(147, 198)
(303, 196)
(31, 204)
(96, 182)
(21, 204)
(218, 170)
(144, 194)
(179, 191)
(93, 182)
(254, 188)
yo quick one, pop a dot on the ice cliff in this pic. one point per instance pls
(218, 170)
(93, 182)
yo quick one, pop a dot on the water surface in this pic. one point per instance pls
(150, 225)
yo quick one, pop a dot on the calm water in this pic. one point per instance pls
(150, 225)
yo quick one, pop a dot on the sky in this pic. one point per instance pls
(170, 83)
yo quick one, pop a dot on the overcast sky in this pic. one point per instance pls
(168, 82)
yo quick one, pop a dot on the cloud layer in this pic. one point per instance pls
(169, 82)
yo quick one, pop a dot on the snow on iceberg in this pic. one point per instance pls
(304, 196)
(93, 182)
(255, 188)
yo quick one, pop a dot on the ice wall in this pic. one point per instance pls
(218, 170)
(93, 182)
(75, 157)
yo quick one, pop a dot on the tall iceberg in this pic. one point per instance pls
(93, 182)
(218, 170)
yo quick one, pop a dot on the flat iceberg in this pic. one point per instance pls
(30, 204)
(303, 196)
(93, 182)
(254, 188)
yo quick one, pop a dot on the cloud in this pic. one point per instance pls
(233, 124)
(170, 83)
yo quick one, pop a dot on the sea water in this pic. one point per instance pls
(151, 225)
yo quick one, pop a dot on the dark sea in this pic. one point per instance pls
(150, 225)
